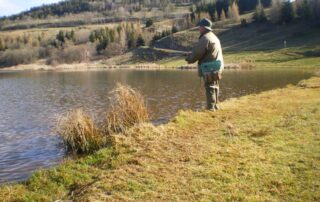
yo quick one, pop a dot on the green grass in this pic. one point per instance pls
(257, 148)
(304, 58)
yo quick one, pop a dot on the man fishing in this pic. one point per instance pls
(208, 53)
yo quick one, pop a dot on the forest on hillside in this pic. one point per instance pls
(130, 6)
(76, 44)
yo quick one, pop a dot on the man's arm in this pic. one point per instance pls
(198, 51)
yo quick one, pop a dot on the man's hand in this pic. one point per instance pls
(187, 53)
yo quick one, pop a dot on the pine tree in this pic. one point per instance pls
(149, 23)
(259, 14)
(92, 37)
(216, 18)
(315, 5)
(122, 38)
(303, 9)
(73, 36)
(2, 45)
(275, 11)
(233, 12)
(287, 12)
(111, 35)
(174, 29)
(140, 41)
(70, 36)
(102, 45)
(60, 36)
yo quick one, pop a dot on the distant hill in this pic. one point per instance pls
(105, 6)
(79, 12)
(83, 12)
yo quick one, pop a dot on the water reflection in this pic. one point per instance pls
(30, 103)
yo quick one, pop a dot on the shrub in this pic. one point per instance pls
(2, 45)
(70, 54)
(259, 15)
(113, 49)
(149, 23)
(60, 36)
(275, 11)
(79, 133)
(126, 109)
(140, 41)
(287, 12)
(244, 23)
(233, 12)
(18, 56)
(174, 29)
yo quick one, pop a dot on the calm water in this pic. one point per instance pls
(30, 103)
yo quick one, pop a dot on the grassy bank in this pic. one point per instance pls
(295, 58)
(258, 148)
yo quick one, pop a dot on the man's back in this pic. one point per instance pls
(207, 49)
(214, 50)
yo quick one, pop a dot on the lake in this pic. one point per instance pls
(31, 102)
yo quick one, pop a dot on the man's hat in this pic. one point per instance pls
(206, 23)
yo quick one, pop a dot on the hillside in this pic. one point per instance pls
(87, 12)
(252, 37)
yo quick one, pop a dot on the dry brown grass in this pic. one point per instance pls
(79, 132)
(126, 109)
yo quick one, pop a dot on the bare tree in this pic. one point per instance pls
(275, 11)
(233, 12)
(223, 16)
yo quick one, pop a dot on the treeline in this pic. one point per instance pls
(56, 9)
(130, 6)
(69, 46)
(216, 11)
(79, 6)
(284, 12)
(222, 6)
(123, 37)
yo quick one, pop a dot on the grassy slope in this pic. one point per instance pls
(258, 148)
(261, 45)
(303, 57)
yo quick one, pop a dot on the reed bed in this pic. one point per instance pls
(126, 109)
(79, 132)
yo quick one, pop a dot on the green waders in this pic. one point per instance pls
(212, 93)
(211, 84)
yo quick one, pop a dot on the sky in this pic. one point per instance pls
(9, 7)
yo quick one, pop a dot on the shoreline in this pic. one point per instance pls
(96, 66)
(146, 145)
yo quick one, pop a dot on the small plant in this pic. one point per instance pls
(259, 15)
(140, 41)
(126, 109)
(149, 23)
(79, 133)
(174, 29)
(244, 23)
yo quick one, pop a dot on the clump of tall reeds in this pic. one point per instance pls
(126, 109)
(79, 132)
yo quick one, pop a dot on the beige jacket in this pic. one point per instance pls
(207, 49)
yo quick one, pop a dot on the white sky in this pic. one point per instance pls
(9, 7)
